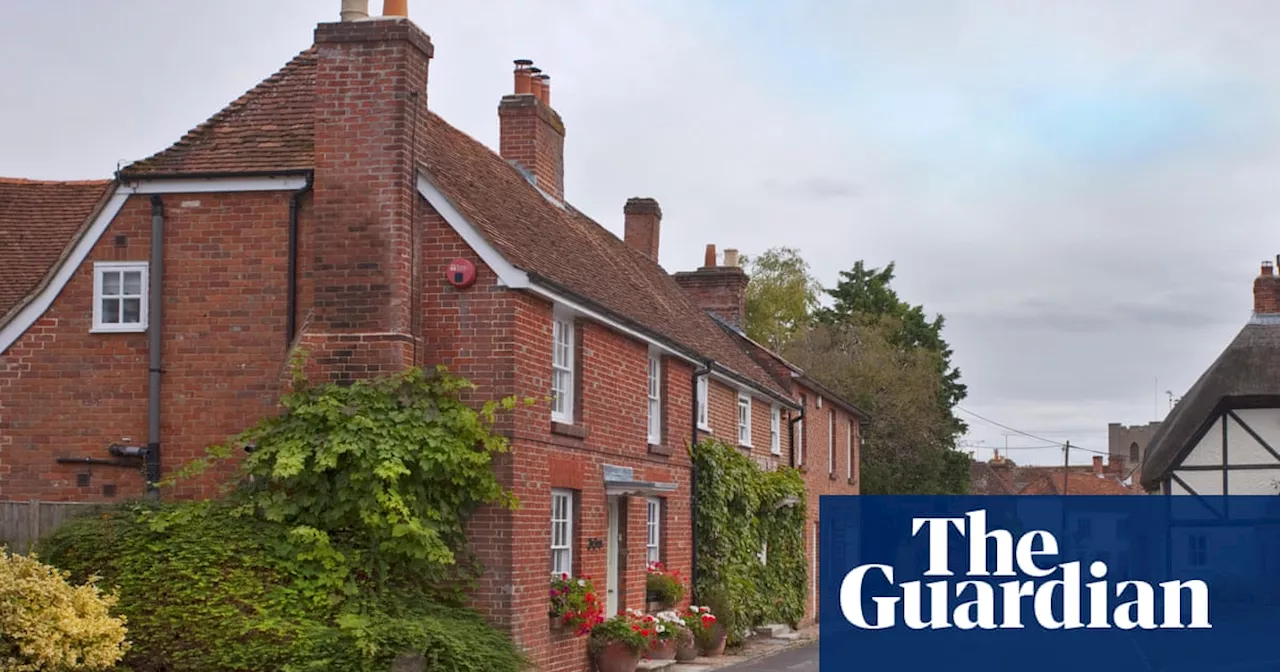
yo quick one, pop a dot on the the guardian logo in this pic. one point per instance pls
(973, 604)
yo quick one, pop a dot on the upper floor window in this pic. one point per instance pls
(655, 400)
(120, 296)
(562, 531)
(799, 433)
(775, 431)
(653, 531)
(744, 420)
(831, 442)
(704, 422)
(562, 371)
(848, 453)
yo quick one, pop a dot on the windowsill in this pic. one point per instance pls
(131, 329)
(659, 449)
(775, 454)
(564, 429)
(745, 446)
(831, 476)
(704, 428)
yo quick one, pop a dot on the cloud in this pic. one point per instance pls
(1083, 188)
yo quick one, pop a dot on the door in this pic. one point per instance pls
(611, 569)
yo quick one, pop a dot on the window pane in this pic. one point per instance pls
(132, 311)
(111, 311)
(111, 283)
(133, 283)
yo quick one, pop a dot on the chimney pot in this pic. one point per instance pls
(354, 10)
(395, 8)
(709, 258)
(523, 77)
(546, 89)
(1267, 268)
(731, 258)
(535, 82)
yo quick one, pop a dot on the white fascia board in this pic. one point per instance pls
(34, 308)
(511, 276)
(508, 274)
(214, 185)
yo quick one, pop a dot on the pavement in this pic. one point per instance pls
(798, 659)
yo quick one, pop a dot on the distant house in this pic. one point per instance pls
(1000, 476)
(1223, 436)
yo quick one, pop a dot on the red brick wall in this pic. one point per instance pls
(66, 392)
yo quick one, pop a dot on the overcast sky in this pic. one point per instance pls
(1082, 188)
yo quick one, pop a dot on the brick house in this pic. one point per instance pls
(148, 316)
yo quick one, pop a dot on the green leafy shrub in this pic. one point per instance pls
(333, 553)
(206, 588)
(742, 510)
(48, 624)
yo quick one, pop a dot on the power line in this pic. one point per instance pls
(1053, 444)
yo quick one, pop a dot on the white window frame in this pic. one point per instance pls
(653, 530)
(744, 419)
(655, 399)
(798, 430)
(704, 410)
(562, 366)
(565, 548)
(99, 270)
(831, 443)
(775, 430)
(848, 451)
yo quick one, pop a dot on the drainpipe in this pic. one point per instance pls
(792, 424)
(693, 479)
(155, 325)
(295, 204)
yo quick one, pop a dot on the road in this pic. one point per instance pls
(804, 659)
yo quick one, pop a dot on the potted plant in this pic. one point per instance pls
(663, 588)
(666, 627)
(709, 634)
(574, 604)
(686, 644)
(616, 643)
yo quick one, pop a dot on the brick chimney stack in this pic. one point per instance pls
(371, 89)
(718, 289)
(643, 224)
(1266, 291)
(531, 134)
(1097, 465)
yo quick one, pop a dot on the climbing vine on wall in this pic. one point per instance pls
(741, 511)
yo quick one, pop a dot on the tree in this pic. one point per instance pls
(864, 294)
(905, 447)
(781, 296)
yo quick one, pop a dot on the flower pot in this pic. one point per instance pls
(714, 646)
(686, 651)
(617, 657)
(662, 649)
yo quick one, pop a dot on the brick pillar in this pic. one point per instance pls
(371, 92)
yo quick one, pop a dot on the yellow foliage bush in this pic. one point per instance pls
(49, 625)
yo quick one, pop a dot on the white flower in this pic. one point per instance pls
(693, 608)
(661, 628)
(581, 582)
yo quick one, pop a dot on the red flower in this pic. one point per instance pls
(644, 633)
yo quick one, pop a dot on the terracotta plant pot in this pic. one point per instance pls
(714, 647)
(686, 651)
(617, 657)
(662, 649)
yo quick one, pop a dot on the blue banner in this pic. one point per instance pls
(1045, 583)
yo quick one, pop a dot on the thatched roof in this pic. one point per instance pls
(1246, 374)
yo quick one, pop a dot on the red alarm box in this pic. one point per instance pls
(462, 273)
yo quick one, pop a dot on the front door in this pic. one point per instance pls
(611, 570)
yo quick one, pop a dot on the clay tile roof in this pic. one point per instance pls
(269, 128)
(1050, 483)
(38, 220)
(1249, 368)
(984, 479)
(570, 251)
